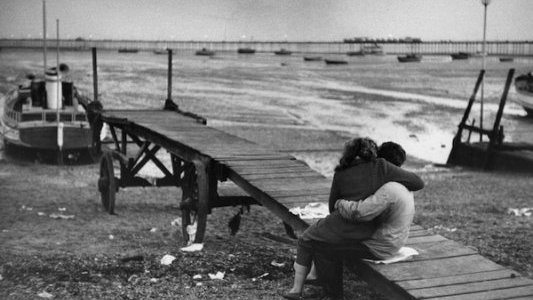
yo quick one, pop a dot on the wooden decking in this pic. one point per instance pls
(443, 270)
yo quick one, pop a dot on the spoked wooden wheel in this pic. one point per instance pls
(107, 184)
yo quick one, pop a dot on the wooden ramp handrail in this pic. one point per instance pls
(444, 269)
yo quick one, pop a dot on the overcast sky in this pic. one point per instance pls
(292, 20)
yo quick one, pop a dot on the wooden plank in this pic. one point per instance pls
(419, 233)
(437, 267)
(272, 171)
(255, 163)
(309, 174)
(471, 287)
(295, 183)
(441, 249)
(411, 241)
(455, 279)
(511, 293)
(276, 194)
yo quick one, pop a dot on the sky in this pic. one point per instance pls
(265, 20)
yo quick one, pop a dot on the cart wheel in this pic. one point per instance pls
(107, 183)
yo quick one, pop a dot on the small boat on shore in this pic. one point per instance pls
(160, 51)
(312, 58)
(283, 51)
(48, 114)
(205, 52)
(410, 58)
(524, 91)
(128, 50)
(246, 50)
(330, 61)
(506, 59)
(355, 53)
(460, 55)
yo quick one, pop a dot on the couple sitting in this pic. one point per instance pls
(371, 210)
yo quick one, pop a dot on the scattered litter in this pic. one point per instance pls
(167, 259)
(197, 276)
(277, 264)
(231, 256)
(403, 254)
(111, 237)
(1, 277)
(312, 211)
(176, 222)
(45, 295)
(193, 247)
(153, 229)
(62, 209)
(260, 276)
(41, 213)
(61, 216)
(440, 227)
(153, 280)
(199, 284)
(28, 208)
(219, 275)
(5, 230)
(133, 279)
(519, 212)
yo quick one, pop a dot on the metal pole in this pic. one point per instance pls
(95, 75)
(483, 67)
(59, 100)
(44, 35)
(169, 77)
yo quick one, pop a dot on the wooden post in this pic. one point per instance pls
(95, 75)
(457, 137)
(497, 121)
(169, 80)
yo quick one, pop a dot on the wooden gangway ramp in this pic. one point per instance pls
(202, 156)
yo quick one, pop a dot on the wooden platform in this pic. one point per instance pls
(443, 270)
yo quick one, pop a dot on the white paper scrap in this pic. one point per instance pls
(167, 259)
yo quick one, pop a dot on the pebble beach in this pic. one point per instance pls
(306, 109)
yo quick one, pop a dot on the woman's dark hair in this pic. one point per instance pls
(364, 149)
(392, 152)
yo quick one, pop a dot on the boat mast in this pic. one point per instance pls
(44, 35)
(59, 100)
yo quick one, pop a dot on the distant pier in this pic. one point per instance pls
(494, 48)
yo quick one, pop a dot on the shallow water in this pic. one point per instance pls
(417, 105)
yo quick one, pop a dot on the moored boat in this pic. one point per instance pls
(506, 59)
(160, 51)
(330, 61)
(128, 50)
(47, 114)
(355, 53)
(524, 91)
(460, 55)
(246, 50)
(283, 51)
(312, 58)
(205, 52)
(410, 58)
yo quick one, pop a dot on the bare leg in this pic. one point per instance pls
(312, 273)
(300, 272)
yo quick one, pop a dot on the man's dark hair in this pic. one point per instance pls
(392, 152)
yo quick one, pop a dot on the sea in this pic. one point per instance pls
(418, 105)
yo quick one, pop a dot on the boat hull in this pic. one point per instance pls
(524, 92)
(45, 137)
(405, 59)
